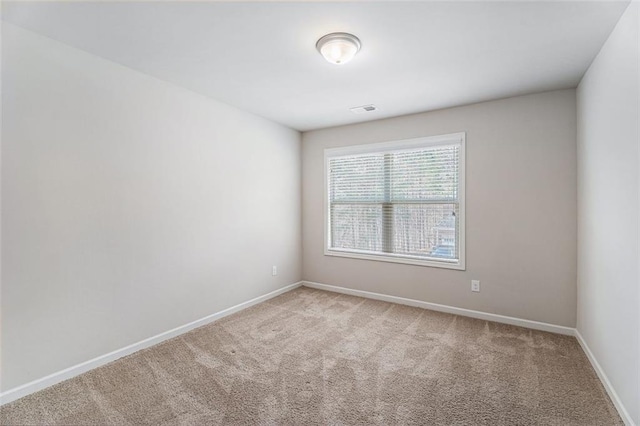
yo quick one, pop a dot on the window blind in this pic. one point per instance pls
(399, 203)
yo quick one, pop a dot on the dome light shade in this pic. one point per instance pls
(338, 48)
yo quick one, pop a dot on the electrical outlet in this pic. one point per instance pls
(475, 285)
(274, 270)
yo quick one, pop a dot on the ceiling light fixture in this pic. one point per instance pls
(338, 48)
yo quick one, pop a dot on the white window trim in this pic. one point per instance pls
(453, 138)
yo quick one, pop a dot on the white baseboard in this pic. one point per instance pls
(68, 373)
(624, 414)
(559, 329)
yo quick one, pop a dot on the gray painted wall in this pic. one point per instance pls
(130, 206)
(608, 210)
(521, 209)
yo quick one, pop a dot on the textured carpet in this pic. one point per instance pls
(314, 357)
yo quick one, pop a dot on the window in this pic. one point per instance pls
(397, 201)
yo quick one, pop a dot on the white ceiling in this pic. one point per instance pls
(261, 57)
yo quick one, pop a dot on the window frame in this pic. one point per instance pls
(398, 145)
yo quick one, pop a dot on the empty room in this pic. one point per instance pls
(332, 213)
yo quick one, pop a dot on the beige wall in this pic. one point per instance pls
(130, 206)
(521, 209)
(608, 210)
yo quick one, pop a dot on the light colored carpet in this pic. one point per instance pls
(315, 357)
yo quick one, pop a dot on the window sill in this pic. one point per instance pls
(458, 265)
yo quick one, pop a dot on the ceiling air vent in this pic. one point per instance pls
(363, 108)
